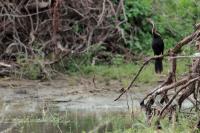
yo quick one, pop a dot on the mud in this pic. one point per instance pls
(84, 99)
(23, 96)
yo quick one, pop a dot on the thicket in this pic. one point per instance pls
(174, 19)
(43, 36)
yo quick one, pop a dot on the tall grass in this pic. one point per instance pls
(118, 123)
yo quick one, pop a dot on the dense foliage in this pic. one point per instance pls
(75, 33)
(174, 19)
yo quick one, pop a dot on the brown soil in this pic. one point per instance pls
(25, 96)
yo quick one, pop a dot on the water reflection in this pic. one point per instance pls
(61, 122)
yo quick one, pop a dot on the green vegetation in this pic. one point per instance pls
(77, 123)
(30, 68)
(174, 19)
(124, 72)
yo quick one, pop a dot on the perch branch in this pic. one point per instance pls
(138, 73)
(183, 87)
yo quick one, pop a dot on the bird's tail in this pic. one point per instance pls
(158, 65)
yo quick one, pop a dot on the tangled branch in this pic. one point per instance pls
(182, 88)
(56, 29)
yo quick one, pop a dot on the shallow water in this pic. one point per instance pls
(56, 107)
(61, 122)
(85, 114)
(34, 107)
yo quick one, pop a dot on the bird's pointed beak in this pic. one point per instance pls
(152, 31)
(155, 32)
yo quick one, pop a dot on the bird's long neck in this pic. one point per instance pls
(155, 33)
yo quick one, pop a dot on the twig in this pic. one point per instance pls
(168, 81)
(171, 86)
(5, 65)
(138, 73)
(183, 42)
(183, 87)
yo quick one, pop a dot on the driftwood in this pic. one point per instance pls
(138, 73)
(181, 89)
(7, 68)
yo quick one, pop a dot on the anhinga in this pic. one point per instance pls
(158, 48)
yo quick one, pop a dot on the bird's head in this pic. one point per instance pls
(154, 32)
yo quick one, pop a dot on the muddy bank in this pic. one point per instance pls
(83, 103)
(23, 96)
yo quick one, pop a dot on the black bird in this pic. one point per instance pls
(158, 48)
